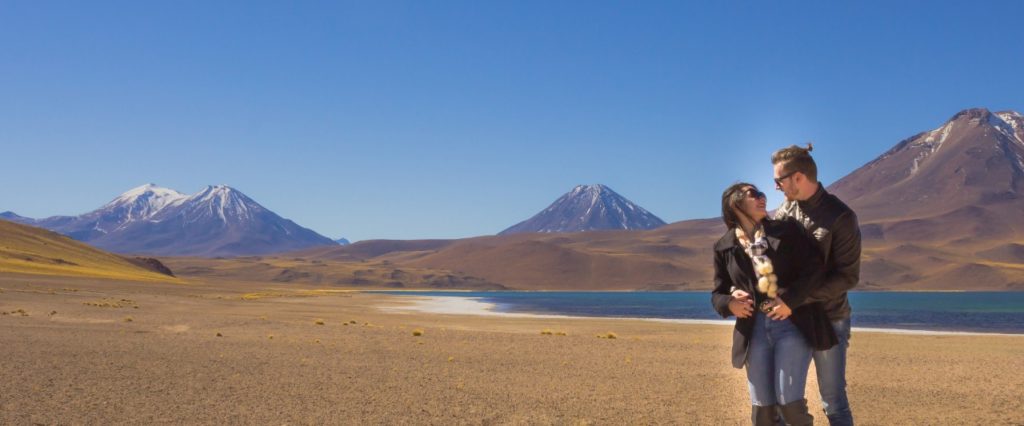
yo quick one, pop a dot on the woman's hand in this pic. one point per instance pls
(742, 308)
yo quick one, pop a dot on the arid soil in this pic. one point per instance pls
(80, 351)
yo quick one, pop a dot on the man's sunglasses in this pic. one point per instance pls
(778, 180)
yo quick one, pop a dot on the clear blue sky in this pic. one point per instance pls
(444, 119)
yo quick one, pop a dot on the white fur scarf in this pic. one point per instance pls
(767, 281)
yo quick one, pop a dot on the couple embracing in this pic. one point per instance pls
(785, 280)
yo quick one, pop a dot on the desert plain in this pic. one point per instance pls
(98, 351)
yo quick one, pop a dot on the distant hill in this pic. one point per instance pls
(588, 208)
(30, 250)
(218, 221)
(672, 257)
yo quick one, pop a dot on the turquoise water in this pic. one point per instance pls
(994, 312)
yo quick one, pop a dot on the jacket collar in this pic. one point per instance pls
(773, 241)
(728, 241)
(815, 199)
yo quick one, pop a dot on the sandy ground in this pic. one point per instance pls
(103, 352)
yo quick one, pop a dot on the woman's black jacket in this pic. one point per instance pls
(797, 263)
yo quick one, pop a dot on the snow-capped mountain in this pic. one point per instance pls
(137, 204)
(588, 208)
(974, 159)
(218, 203)
(343, 241)
(217, 221)
(143, 202)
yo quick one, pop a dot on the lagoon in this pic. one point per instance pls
(986, 312)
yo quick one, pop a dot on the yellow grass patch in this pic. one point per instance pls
(294, 293)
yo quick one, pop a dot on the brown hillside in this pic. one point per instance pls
(673, 257)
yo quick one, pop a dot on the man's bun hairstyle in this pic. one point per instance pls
(797, 159)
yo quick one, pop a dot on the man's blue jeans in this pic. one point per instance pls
(777, 362)
(831, 368)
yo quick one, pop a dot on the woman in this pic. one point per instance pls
(759, 259)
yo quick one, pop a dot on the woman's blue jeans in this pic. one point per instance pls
(777, 362)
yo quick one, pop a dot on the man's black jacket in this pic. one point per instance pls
(834, 226)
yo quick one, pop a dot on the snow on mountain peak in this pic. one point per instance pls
(224, 201)
(1015, 121)
(590, 188)
(152, 190)
(144, 201)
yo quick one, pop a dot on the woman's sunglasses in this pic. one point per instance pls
(755, 194)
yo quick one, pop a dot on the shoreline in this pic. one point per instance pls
(427, 290)
(471, 306)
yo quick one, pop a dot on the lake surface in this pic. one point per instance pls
(993, 312)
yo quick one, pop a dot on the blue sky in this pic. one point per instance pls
(444, 119)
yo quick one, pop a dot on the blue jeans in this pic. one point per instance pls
(831, 368)
(777, 362)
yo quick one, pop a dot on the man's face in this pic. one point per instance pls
(784, 182)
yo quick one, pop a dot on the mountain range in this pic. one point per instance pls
(217, 221)
(222, 221)
(940, 210)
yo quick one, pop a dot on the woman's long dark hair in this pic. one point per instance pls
(730, 198)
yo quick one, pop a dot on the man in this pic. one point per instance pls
(835, 228)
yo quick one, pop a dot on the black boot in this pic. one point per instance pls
(795, 413)
(763, 415)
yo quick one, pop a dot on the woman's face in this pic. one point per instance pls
(753, 203)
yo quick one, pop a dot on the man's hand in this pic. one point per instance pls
(742, 308)
(779, 310)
